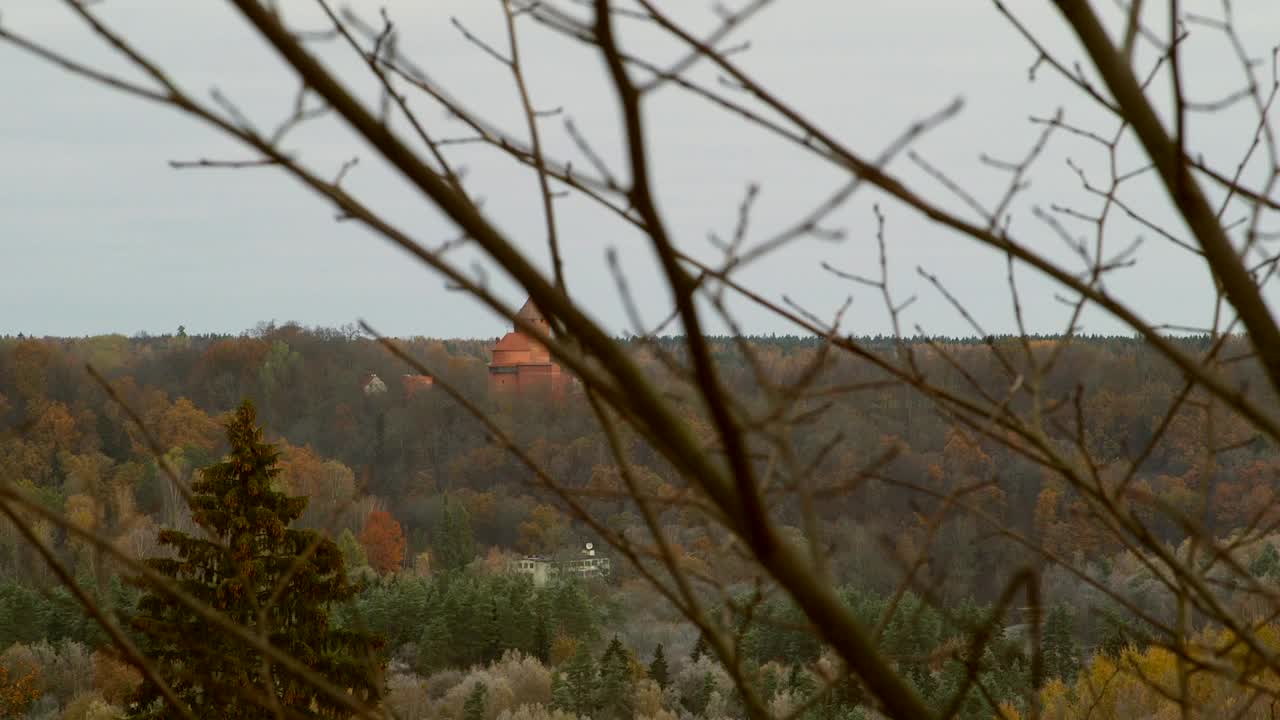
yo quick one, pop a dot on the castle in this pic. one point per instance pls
(521, 364)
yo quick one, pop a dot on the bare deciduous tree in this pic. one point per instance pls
(738, 456)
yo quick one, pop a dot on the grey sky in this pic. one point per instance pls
(98, 234)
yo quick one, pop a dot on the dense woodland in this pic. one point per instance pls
(428, 510)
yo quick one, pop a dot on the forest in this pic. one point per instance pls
(636, 504)
(429, 513)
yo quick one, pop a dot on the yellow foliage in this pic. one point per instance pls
(1148, 682)
(1008, 712)
(563, 647)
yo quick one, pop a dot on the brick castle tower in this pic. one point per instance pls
(521, 364)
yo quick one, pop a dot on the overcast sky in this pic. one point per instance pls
(98, 234)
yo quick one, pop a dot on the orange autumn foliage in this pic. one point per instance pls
(18, 692)
(384, 541)
(114, 678)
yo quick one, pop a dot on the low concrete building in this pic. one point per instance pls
(538, 568)
(542, 569)
(589, 565)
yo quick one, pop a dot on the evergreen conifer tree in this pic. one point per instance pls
(582, 681)
(353, 553)
(573, 612)
(1061, 660)
(542, 639)
(614, 654)
(518, 615)
(248, 550)
(658, 668)
(1267, 563)
(616, 682)
(473, 708)
(489, 631)
(800, 683)
(769, 681)
(120, 596)
(697, 701)
(699, 648)
(434, 643)
(562, 697)
(456, 545)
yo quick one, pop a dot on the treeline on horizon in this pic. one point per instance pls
(389, 475)
(351, 331)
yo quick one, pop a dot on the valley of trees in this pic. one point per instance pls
(425, 512)
(817, 527)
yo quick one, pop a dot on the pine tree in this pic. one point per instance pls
(456, 545)
(473, 709)
(573, 611)
(658, 668)
(1267, 563)
(562, 697)
(353, 554)
(542, 639)
(489, 631)
(1061, 659)
(582, 680)
(247, 551)
(434, 644)
(1119, 633)
(800, 683)
(468, 610)
(699, 648)
(696, 702)
(616, 682)
(769, 681)
(518, 614)
(613, 655)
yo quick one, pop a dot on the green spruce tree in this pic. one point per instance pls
(1267, 564)
(617, 685)
(800, 683)
(699, 648)
(489, 630)
(562, 697)
(248, 550)
(542, 639)
(696, 702)
(583, 682)
(434, 644)
(1061, 658)
(572, 610)
(473, 708)
(769, 681)
(353, 553)
(658, 668)
(456, 545)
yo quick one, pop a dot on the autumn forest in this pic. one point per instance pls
(430, 512)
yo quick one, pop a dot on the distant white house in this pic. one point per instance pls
(589, 565)
(538, 568)
(542, 569)
(373, 384)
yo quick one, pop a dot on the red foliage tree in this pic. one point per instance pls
(383, 540)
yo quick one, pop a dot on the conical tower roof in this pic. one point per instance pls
(531, 314)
